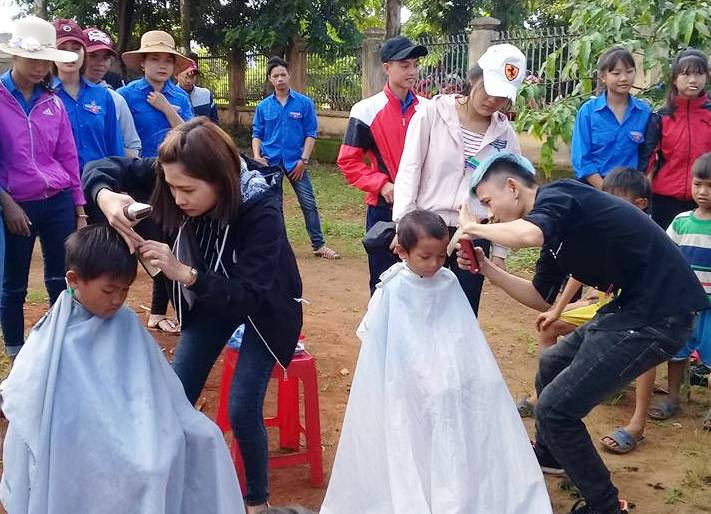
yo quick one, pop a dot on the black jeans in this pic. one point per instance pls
(665, 209)
(471, 283)
(379, 262)
(581, 371)
(202, 339)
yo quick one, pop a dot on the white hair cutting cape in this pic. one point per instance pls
(99, 424)
(430, 426)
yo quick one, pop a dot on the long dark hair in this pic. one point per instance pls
(207, 153)
(690, 60)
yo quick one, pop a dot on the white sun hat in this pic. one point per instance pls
(504, 68)
(35, 38)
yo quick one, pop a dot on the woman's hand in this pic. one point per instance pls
(158, 101)
(161, 256)
(15, 218)
(113, 205)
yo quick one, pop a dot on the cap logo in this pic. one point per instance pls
(511, 72)
(98, 36)
(67, 28)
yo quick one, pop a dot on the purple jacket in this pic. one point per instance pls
(38, 157)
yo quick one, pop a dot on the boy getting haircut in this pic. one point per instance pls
(99, 250)
(420, 224)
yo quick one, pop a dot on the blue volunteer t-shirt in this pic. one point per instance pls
(12, 88)
(601, 143)
(284, 128)
(151, 124)
(95, 126)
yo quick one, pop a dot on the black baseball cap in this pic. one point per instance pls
(400, 48)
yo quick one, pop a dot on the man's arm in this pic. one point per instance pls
(518, 288)
(512, 234)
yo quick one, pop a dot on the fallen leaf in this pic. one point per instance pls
(345, 372)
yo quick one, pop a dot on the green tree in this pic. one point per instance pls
(655, 31)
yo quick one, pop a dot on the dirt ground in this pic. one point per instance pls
(671, 472)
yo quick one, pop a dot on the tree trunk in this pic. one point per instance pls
(39, 9)
(392, 18)
(185, 25)
(236, 71)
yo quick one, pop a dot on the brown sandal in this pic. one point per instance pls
(326, 253)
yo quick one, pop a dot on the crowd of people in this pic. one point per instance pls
(622, 281)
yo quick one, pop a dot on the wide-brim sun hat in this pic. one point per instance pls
(155, 42)
(35, 38)
(504, 68)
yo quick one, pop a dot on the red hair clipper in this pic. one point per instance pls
(468, 249)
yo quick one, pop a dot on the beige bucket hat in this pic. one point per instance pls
(155, 41)
(35, 38)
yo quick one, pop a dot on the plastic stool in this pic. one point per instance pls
(287, 419)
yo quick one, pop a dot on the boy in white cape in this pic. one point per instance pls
(98, 421)
(430, 426)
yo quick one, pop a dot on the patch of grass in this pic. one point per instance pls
(341, 209)
(523, 261)
(673, 496)
(37, 296)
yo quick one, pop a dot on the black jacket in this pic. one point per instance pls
(262, 279)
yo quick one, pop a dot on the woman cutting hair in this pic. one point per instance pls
(231, 264)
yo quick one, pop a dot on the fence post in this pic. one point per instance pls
(484, 31)
(373, 74)
(236, 77)
(296, 57)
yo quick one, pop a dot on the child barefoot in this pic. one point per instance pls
(98, 421)
(692, 232)
(430, 426)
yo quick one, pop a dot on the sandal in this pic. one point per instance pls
(707, 421)
(620, 441)
(326, 253)
(525, 408)
(165, 325)
(664, 410)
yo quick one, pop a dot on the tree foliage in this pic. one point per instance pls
(654, 31)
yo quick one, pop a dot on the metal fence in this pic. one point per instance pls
(333, 80)
(444, 69)
(214, 76)
(537, 45)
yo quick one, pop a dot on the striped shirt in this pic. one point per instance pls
(693, 235)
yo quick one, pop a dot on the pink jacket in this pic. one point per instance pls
(38, 157)
(432, 174)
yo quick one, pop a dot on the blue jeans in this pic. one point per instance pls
(202, 339)
(581, 371)
(304, 191)
(53, 220)
(379, 262)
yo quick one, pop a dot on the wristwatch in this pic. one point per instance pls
(193, 278)
(304, 160)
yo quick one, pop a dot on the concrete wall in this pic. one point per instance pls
(333, 124)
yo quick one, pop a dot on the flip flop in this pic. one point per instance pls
(624, 441)
(707, 421)
(326, 253)
(525, 408)
(664, 410)
(165, 325)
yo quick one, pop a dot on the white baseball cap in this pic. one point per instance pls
(504, 68)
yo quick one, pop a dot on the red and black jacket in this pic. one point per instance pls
(376, 130)
(673, 141)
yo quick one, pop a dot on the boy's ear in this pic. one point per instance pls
(72, 279)
(641, 203)
(401, 252)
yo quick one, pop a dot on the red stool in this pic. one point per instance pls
(287, 419)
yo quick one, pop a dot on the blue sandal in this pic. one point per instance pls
(624, 442)
(664, 410)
